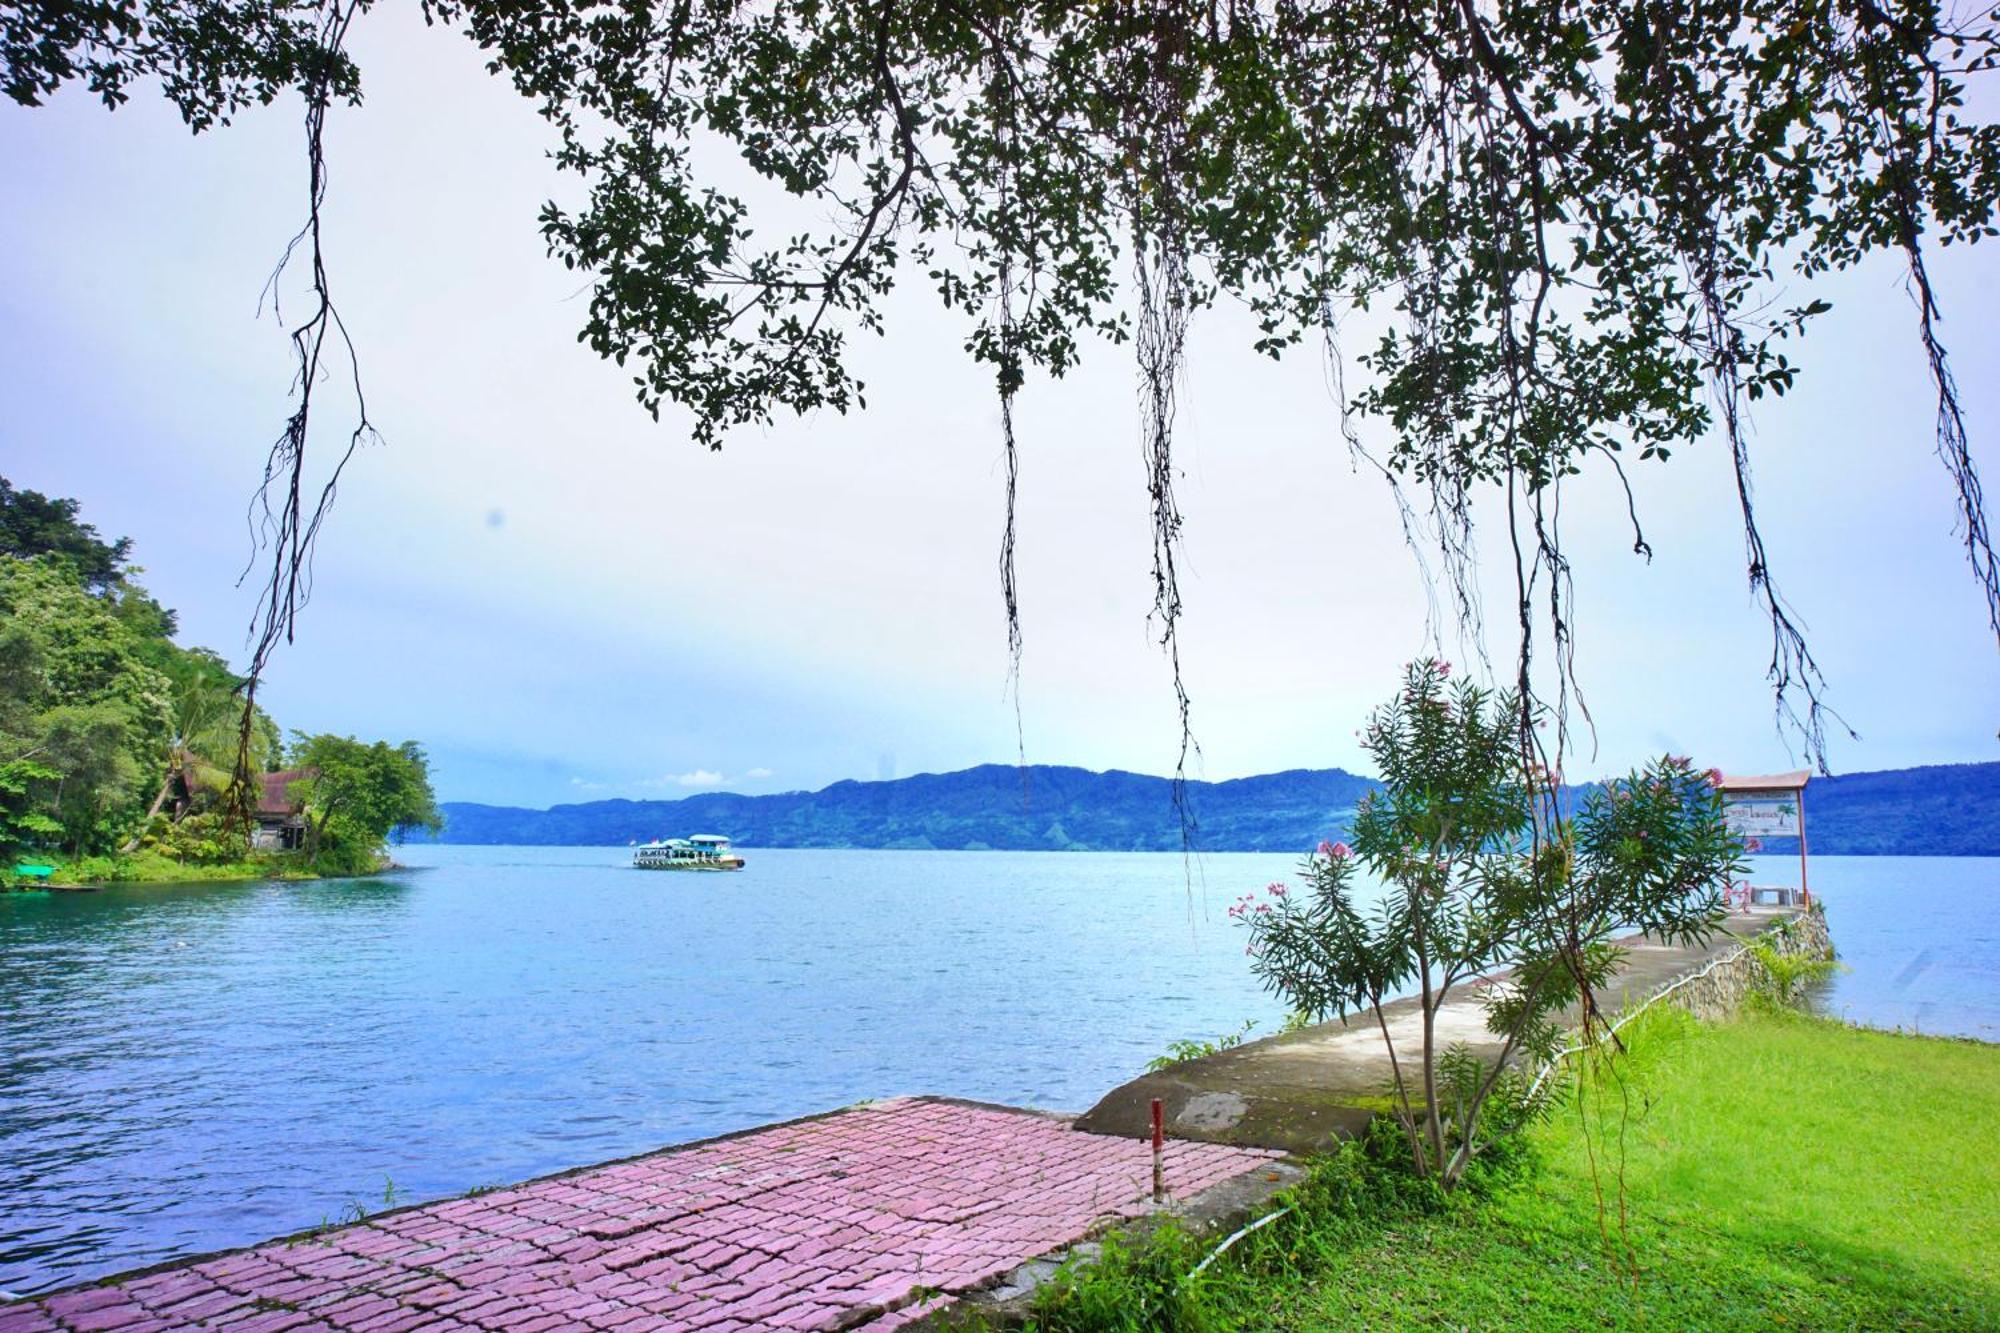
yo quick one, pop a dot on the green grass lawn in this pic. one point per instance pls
(1780, 1172)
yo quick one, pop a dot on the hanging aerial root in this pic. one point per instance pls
(282, 523)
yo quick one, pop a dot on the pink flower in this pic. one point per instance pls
(1714, 776)
(1338, 852)
(1325, 848)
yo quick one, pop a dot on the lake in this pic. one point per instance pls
(184, 1069)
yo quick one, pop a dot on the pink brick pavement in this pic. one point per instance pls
(839, 1222)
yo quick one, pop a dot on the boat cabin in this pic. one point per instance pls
(704, 851)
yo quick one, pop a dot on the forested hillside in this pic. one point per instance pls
(1946, 811)
(118, 744)
(994, 805)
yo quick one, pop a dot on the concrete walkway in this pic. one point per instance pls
(853, 1220)
(1302, 1090)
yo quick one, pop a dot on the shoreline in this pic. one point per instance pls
(159, 872)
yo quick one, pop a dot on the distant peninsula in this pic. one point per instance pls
(1946, 810)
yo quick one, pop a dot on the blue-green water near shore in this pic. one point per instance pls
(188, 1068)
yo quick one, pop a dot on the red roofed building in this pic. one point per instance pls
(281, 813)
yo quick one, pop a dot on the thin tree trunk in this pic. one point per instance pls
(1404, 1114)
(1433, 1130)
(166, 785)
(1463, 1157)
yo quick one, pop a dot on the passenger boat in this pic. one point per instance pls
(704, 851)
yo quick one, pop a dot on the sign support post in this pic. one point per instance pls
(1803, 889)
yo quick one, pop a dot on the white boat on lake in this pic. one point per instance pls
(704, 851)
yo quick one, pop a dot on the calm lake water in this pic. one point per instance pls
(183, 1069)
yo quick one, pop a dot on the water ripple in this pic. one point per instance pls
(187, 1069)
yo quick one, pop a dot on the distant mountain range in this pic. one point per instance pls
(1951, 810)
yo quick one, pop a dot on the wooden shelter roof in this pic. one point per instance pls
(1795, 781)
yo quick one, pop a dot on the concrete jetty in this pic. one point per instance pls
(1301, 1090)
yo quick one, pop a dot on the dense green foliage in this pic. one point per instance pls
(1486, 872)
(116, 741)
(1344, 1200)
(94, 692)
(1564, 198)
(33, 524)
(1780, 1171)
(358, 795)
(79, 700)
(1578, 234)
(23, 822)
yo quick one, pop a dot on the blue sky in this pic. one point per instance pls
(565, 600)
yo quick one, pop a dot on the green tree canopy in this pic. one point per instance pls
(360, 794)
(78, 699)
(100, 710)
(1486, 873)
(1589, 228)
(32, 524)
(23, 824)
(204, 694)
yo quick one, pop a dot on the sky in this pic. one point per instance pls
(565, 600)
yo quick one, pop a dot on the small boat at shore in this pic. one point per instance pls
(704, 851)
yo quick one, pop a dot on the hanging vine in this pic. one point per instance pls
(286, 515)
(1577, 218)
(1007, 378)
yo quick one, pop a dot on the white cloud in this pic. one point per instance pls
(700, 777)
(758, 773)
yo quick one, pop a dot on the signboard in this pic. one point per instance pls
(1761, 814)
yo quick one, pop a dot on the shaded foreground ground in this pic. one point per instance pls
(845, 1221)
(1780, 1172)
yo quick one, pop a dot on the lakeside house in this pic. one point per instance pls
(279, 816)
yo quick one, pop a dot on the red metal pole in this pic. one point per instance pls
(1159, 1148)
(1804, 891)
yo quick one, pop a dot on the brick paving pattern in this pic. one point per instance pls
(848, 1221)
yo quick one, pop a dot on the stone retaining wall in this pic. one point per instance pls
(1718, 990)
